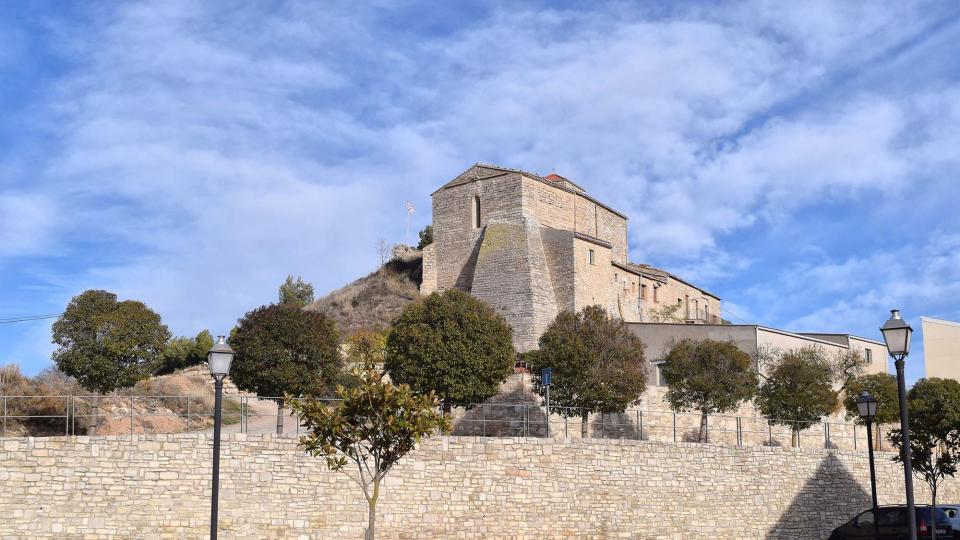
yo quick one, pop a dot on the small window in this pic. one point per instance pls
(656, 293)
(590, 256)
(643, 292)
(660, 380)
(868, 355)
(476, 211)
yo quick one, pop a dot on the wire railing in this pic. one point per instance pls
(133, 415)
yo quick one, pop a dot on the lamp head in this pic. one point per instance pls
(897, 333)
(219, 358)
(867, 406)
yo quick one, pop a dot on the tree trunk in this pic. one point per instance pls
(585, 425)
(703, 428)
(933, 512)
(279, 416)
(372, 512)
(95, 413)
(794, 438)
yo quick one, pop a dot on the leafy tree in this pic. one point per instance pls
(847, 366)
(934, 410)
(598, 364)
(106, 344)
(666, 314)
(370, 429)
(282, 349)
(708, 376)
(182, 352)
(426, 237)
(451, 344)
(297, 292)
(798, 390)
(367, 346)
(882, 386)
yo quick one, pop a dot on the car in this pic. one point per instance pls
(893, 524)
(953, 512)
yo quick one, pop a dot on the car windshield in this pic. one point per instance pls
(923, 513)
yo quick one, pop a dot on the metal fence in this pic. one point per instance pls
(141, 414)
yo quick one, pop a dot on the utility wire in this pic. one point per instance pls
(732, 314)
(29, 318)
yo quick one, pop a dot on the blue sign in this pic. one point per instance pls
(545, 375)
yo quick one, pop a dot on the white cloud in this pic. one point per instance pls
(225, 146)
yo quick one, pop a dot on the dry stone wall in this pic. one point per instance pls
(451, 487)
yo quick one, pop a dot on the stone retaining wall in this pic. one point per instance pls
(452, 487)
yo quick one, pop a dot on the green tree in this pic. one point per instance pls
(882, 386)
(451, 344)
(934, 410)
(598, 364)
(708, 376)
(182, 352)
(282, 349)
(297, 292)
(426, 237)
(367, 346)
(666, 314)
(106, 344)
(798, 390)
(374, 424)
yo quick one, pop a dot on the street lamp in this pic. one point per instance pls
(867, 406)
(218, 359)
(896, 333)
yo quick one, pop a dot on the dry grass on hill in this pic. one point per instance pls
(373, 301)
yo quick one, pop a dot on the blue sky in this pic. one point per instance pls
(799, 160)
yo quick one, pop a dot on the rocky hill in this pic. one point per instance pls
(374, 300)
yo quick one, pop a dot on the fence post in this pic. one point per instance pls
(483, 418)
(131, 418)
(854, 436)
(640, 422)
(524, 420)
(565, 435)
(603, 429)
(879, 439)
(770, 433)
(189, 424)
(674, 427)
(4, 416)
(739, 434)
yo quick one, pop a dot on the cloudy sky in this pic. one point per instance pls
(799, 159)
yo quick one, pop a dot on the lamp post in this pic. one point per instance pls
(897, 333)
(867, 407)
(218, 359)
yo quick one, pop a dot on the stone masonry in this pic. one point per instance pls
(450, 487)
(533, 246)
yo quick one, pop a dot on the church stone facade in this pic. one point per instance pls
(532, 246)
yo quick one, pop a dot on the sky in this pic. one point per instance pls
(800, 160)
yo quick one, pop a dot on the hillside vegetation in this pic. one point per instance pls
(376, 299)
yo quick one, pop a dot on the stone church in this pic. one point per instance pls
(532, 246)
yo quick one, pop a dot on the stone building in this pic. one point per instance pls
(532, 246)
(941, 348)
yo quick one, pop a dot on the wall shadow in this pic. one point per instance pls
(614, 426)
(826, 501)
(464, 280)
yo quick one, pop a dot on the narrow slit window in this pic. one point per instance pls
(476, 212)
(590, 256)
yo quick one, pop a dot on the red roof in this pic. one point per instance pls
(554, 177)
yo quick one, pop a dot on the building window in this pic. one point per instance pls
(656, 293)
(476, 211)
(660, 380)
(590, 256)
(868, 355)
(643, 292)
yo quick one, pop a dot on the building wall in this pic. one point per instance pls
(593, 283)
(429, 283)
(450, 487)
(941, 348)
(454, 235)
